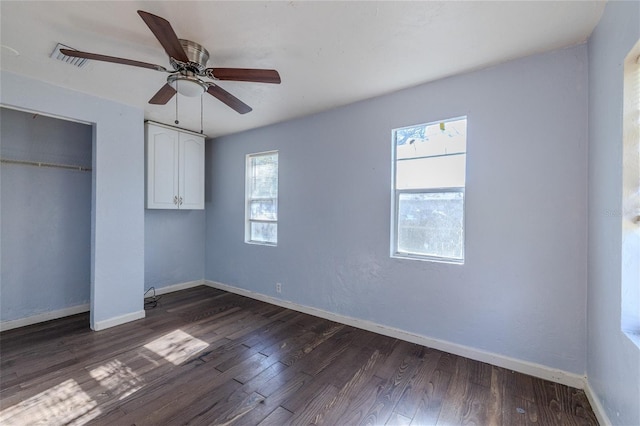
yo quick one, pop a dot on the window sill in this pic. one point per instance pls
(427, 258)
(258, 243)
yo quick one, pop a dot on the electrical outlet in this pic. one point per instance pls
(278, 288)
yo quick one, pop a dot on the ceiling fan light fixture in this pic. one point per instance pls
(188, 85)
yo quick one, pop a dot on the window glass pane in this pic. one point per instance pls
(406, 134)
(431, 172)
(264, 232)
(263, 210)
(444, 138)
(431, 155)
(431, 224)
(264, 176)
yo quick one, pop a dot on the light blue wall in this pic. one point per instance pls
(613, 363)
(46, 215)
(117, 213)
(174, 247)
(521, 292)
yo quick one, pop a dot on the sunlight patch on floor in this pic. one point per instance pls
(121, 380)
(177, 346)
(65, 403)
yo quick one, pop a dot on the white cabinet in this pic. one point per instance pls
(175, 168)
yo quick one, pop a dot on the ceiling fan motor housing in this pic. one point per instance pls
(197, 54)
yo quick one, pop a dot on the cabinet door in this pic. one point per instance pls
(162, 168)
(191, 171)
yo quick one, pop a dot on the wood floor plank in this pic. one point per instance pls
(280, 393)
(398, 420)
(336, 374)
(413, 393)
(499, 398)
(325, 356)
(394, 387)
(205, 356)
(184, 396)
(39, 337)
(354, 387)
(520, 385)
(315, 406)
(430, 404)
(258, 324)
(447, 363)
(465, 401)
(161, 392)
(518, 412)
(267, 335)
(480, 373)
(194, 408)
(281, 348)
(389, 367)
(470, 407)
(278, 417)
(355, 408)
(226, 411)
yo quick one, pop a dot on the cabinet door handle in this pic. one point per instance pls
(180, 202)
(175, 199)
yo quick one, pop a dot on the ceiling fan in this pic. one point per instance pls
(189, 62)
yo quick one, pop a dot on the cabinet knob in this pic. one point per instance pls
(175, 199)
(180, 202)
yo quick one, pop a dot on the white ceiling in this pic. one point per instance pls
(328, 53)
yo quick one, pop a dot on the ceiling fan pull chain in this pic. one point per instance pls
(201, 115)
(177, 96)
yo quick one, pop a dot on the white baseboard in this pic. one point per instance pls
(596, 405)
(100, 325)
(112, 322)
(45, 316)
(526, 367)
(176, 287)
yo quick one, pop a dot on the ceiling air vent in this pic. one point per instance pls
(56, 54)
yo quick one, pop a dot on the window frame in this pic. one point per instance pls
(629, 212)
(248, 199)
(395, 203)
(419, 256)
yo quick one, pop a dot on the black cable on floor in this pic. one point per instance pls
(151, 301)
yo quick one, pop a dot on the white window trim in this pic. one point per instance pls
(630, 206)
(395, 196)
(248, 200)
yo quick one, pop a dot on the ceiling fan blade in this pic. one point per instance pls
(228, 99)
(245, 74)
(163, 31)
(163, 95)
(115, 60)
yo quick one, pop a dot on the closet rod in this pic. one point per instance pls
(43, 164)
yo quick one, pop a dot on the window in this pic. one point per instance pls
(261, 210)
(630, 213)
(428, 186)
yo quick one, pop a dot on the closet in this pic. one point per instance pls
(45, 215)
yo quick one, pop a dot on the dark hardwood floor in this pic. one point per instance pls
(204, 356)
